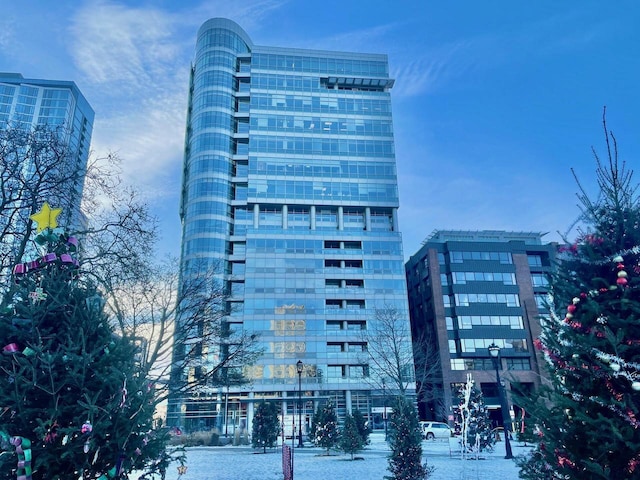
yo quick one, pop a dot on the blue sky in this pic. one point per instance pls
(494, 102)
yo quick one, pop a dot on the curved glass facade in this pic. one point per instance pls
(290, 182)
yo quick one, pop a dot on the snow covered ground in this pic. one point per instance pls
(243, 463)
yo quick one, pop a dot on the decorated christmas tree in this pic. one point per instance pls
(324, 427)
(405, 439)
(588, 419)
(266, 426)
(472, 419)
(75, 402)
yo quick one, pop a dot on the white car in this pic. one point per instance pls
(433, 430)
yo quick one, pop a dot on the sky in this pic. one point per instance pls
(494, 102)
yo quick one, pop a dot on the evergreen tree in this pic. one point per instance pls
(405, 439)
(266, 426)
(75, 398)
(588, 419)
(472, 417)
(363, 427)
(350, 439)
(324, 427)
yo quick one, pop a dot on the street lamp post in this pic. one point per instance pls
(494, 351)
(299, 368)
(384, 400)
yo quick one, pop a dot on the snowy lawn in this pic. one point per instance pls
(243, 463)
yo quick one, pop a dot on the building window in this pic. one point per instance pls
(358, 347)
(449, 322)
(333, 304)
(534, 260)
(452, 346)
(542, 300)
(334, 325)
(332, 264)
(355, 304)
(539, 280)
(332, 284)
(357, 325)
(444, 280)
(358, 371)
(335, 347)
(469, 321)
(518, 364)
(518, 345)
(461, 278)
(489, 390)
(509, 299)
(446, 300)
(502, 257)
(457, 364)
(350, 283)
(472, 345)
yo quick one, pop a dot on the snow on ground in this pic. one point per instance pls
(244, 463)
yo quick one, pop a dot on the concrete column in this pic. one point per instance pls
(340, 218)
(250, 405)
(367, 219)
(347, 398)
(256, 216)
(285, 216)
(312, 215)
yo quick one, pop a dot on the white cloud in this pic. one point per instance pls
(138, 59)
(363, 40)
(6, 34)
(112, 43)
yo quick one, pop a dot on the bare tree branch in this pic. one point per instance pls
(389, 347)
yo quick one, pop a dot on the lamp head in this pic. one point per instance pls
(494, 350)
(299, 367)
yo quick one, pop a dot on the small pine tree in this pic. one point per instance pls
(473, 417)
(350, 439)
(405, 440)
(324, 427)
(266, 426)
(361, 423)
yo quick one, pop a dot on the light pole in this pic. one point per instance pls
(494, 351)
(384, 400)
(299, 368)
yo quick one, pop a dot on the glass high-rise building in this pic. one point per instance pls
(290, 186)
(28, 103)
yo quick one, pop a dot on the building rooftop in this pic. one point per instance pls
(532, 238)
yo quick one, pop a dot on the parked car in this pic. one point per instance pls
(433, 430)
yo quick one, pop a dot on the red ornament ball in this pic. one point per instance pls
(571, 308)
(621, 281)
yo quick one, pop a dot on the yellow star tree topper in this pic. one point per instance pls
(46, 217)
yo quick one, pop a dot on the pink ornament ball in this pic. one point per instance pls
(86, 427)
(621, 281)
